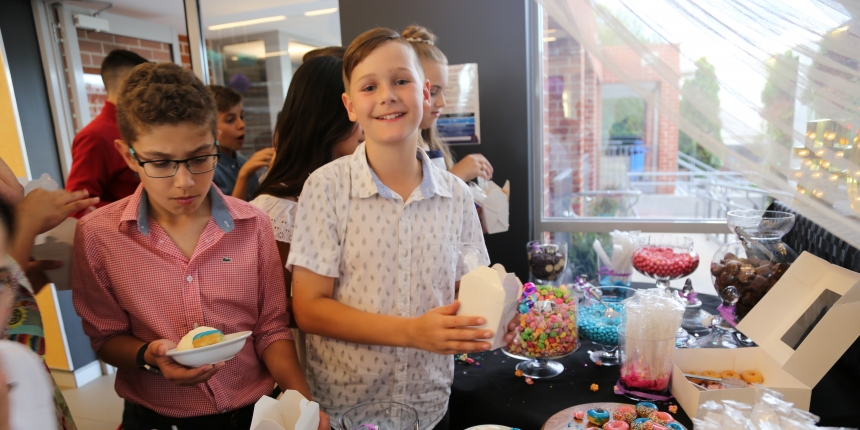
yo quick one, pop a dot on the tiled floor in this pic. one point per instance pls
(95, 406)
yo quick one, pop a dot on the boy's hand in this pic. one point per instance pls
(175, 372)
(260, 159)
(325, 423)
(442, 332)
(509, 336)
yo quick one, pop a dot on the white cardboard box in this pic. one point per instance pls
(802, 326)
(491, 293)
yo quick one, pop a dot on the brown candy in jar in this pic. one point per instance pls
(753, 277)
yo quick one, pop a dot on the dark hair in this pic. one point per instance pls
(366, 43)
(117, 64)
(163, 94)
(7, 219)
(328, 51)
(225, 98)
(312, 122)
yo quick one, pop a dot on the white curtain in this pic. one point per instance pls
(780, 80)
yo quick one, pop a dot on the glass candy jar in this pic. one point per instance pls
(756, 259)
(665, 258)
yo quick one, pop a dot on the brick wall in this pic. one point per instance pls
(94, 46)
(572, 112)
(670, 100)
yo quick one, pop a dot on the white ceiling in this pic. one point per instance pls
(321, 30)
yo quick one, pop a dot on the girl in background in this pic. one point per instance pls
(435, 66)
(312, 130)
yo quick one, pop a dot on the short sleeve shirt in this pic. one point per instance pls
(389, 257)
(282, 213)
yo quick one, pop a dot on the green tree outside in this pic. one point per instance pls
(704, 87)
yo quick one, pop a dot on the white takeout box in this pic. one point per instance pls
(495, 205)
(291, 412)
(791, 357)
(491, 293)
(57, 244)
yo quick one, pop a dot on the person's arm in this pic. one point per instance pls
(39, 212)
(284, 253)
(259, 160)
(473, 166)
(108, 326)
(89, 161)
(11, 191)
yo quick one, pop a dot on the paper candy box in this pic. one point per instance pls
(491, 293)
(291, 412)
(495, 204)
(802, 326)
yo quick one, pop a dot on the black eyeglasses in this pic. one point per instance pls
(168, 168)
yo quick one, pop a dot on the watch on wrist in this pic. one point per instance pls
(141, 363)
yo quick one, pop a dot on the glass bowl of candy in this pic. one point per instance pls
(547, 329)
(664, 258)
(380, 416)
(756, 259)
(547, 261)
(599, 316)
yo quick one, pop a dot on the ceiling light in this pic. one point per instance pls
(321, 12)
(549, 39)
(247, 23)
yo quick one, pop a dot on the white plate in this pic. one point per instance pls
(489, 427)
(211, 354)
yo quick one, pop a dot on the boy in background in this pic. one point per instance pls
(175, 255)
(96, 166)
(235, 175)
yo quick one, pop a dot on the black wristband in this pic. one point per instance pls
(141, 363)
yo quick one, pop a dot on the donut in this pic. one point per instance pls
(729, 374)
(710, 374)
(695, 381)
(752, 377)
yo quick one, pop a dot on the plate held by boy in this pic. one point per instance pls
(291, 412)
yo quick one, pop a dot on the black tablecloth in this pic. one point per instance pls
(492, 394)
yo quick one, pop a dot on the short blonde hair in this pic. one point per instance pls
(367, 42)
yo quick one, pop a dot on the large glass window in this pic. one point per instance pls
(254, 48)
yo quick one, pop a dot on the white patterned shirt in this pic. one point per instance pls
(389, 258)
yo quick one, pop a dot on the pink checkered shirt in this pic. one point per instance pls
(130, 278)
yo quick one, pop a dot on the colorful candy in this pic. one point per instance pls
(625, 413)
(548, 327)
(644, 409)
(594, 325)
(673, 409)
(529, 381)
(598, 416)
(616, 425)
(661, 418)
(642, 424)
(594, 387)
(578, 415)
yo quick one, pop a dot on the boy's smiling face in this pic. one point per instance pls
(387, 94)
(184, 193)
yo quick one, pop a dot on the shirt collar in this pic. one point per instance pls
(366, 183)
(137, 210)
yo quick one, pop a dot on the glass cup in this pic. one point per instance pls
(646, 366)
(380, 416)
(600, 326)
(547, 261)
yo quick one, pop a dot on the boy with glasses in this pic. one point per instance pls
(175, 255)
